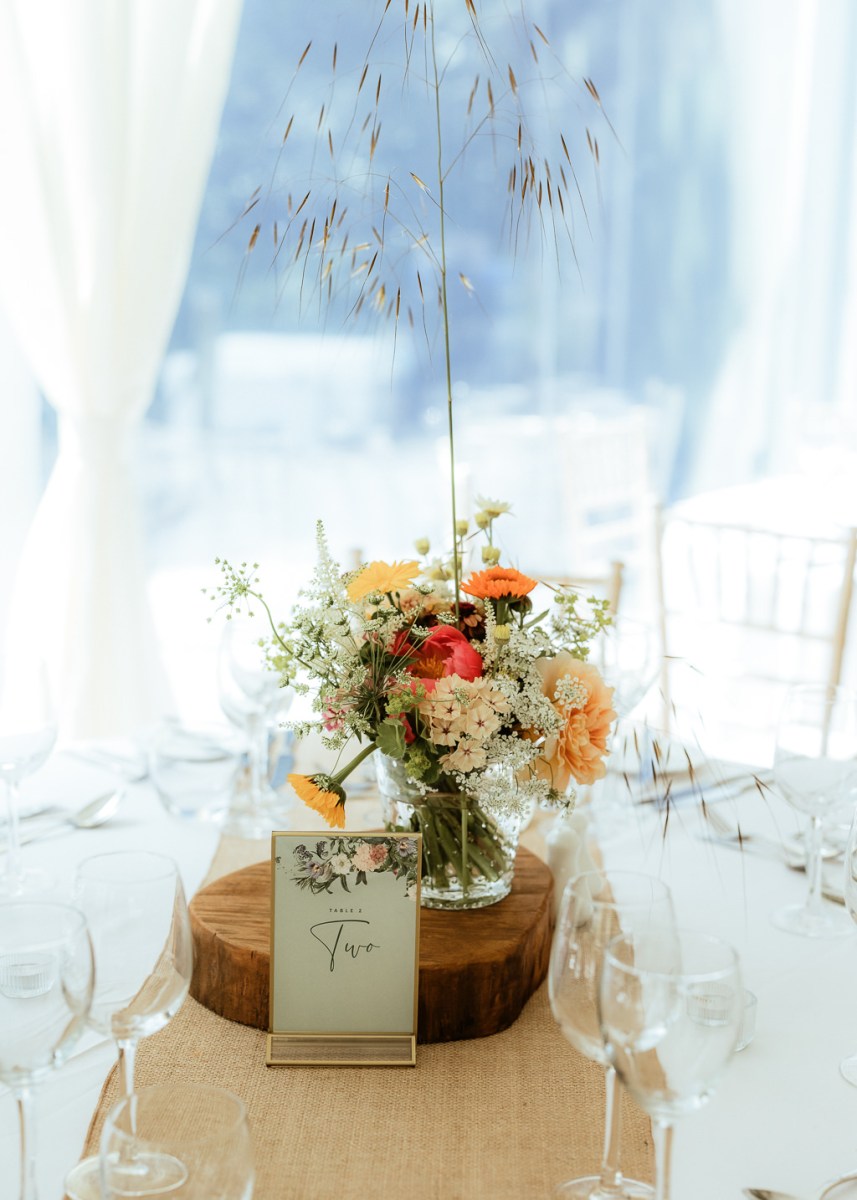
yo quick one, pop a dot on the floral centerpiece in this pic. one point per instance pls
(476, 707)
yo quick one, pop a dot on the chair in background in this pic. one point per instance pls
(606, 478)
(743, 613)
(607, 586)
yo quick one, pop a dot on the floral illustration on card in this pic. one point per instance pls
(346, 862)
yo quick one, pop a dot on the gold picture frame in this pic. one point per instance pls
(367, 1014)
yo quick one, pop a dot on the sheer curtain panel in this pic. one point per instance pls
(108, 119)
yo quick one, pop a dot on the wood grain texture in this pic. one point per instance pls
(477, 968)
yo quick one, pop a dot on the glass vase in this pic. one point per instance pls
(468, 853)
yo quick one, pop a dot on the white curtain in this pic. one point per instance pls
(109, 111)
(793, 156)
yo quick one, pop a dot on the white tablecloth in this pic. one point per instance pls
(782, 1117)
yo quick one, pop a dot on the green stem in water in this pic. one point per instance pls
(447, 841)
(445, 310)
(432, 852)
(465, 873)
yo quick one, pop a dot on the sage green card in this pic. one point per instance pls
(344, 936)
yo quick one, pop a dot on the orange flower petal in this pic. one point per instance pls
(498, 583)
(579, 749)
(328, 804)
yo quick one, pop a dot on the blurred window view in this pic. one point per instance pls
(694, 331)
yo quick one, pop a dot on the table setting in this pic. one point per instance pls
(726, 864)
(553, 948)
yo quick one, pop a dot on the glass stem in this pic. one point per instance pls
(14, 873)
(610, 1182)
(662, 1131)
(814, 900)
(27, 1126)
(127, 1055)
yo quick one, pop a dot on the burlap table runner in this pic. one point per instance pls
(509, 1116)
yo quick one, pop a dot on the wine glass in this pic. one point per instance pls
(252, 699)
(46, 982)
(671, 1009)
(202, 1129)
(627, 655)
(135, 906)
(28, 731)
(848, 1065)
(815, 763)
(628, 659)
(595, 907)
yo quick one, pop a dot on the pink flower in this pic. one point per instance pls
(369, 856)
(378, 853)
(444, 652)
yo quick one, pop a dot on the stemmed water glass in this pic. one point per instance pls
(848, 1065)
(628, 658)
(28, 731)
(46, 981)
(815, 763)
(135, 906)
(253, 700)
(201, 1128)
(596, 906)
(627, 655)
(671, 1009)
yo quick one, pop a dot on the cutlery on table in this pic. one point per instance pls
(727, 787)
(51, 820)
(828, 890)
(793, 848)
(790, 854)
(767, 1194)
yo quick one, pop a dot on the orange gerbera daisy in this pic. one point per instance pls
(331, 805)
(382, 577)
(498, 583)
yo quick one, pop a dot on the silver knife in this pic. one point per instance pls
(770, 850)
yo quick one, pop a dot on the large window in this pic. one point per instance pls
(705, 307)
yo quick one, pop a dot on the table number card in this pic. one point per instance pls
(345, 923)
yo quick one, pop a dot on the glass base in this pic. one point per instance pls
(479, 895)
(589, 1188)
(848, 1069)
(142, 1175)
(828, 923)
(843, 1188)
(257, 816)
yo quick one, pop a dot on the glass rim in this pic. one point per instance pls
(188, 1089)
(699, 936)
(595, 874)
(825, 693)
(168, 866)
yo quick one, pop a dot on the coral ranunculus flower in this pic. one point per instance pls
(382, 577)
(585, 703)
(498, 583)
(329, 804)
(444, 652)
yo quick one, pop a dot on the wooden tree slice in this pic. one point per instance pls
(477, 968)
